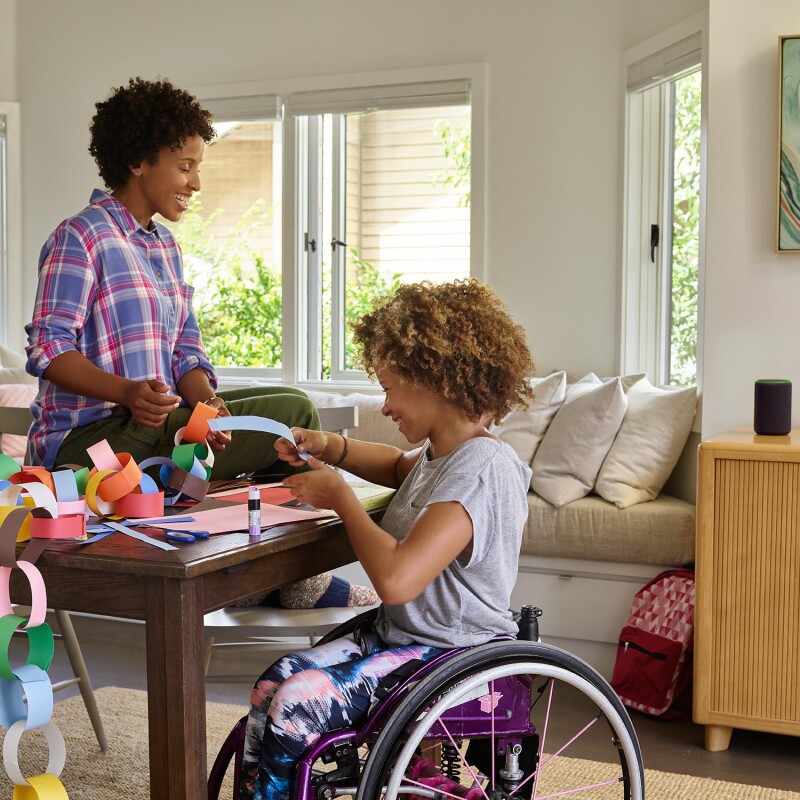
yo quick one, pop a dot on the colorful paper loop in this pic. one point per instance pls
(103, 457)
(196, 428)
(64, 526)
(95, 503)
(66, 487)
(34, 475)
(55, 741)
(34, 683)
(38, 593)
(38, 494)
(122, 482)
(42, 787)
(41, 644)
(8, 466)
(137, 504)
(189, 484)
(14, 527)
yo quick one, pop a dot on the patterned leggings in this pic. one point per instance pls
(304, 695)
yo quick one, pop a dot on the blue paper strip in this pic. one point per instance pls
(251, 423)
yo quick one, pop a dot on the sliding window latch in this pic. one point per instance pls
(654, 238)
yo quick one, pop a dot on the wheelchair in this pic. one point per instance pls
(478, 723)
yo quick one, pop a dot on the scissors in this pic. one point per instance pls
(187, 537)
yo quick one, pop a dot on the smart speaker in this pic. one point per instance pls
(772, 407)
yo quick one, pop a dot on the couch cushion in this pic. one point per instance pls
(566, 464)
(523, 430)
(659, 532)
(648, 445)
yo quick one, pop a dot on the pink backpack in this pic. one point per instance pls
(653, 669)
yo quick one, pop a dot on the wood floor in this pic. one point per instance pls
(115, 656)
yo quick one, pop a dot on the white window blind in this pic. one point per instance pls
(380, 98)
(245, 107)
(672, 62)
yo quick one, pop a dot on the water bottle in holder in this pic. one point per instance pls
(528, 623)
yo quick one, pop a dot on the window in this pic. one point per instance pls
(312, 203)
(662, 255)
(231, 237)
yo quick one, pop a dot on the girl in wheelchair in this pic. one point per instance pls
(450, 360)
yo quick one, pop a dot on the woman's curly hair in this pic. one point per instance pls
(138, 121)
(455, 339)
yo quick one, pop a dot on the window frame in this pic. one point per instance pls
(645, 337)
(11, 276)
(297, 176)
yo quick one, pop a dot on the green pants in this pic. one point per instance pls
(249, 451)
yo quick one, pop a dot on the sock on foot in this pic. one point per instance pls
(326, 591)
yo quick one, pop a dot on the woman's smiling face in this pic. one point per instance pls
(165, 186)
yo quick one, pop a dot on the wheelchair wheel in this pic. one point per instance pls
(483, 725)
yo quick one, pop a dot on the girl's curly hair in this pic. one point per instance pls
(455, 339)
(138, 121)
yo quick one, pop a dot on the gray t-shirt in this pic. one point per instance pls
(468, 603)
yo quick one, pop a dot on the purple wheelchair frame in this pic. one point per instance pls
(510, 703)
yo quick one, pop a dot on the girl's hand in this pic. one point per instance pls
(320, 487)
(305, 441)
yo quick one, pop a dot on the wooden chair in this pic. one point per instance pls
(16, 421)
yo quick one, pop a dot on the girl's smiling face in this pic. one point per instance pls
(411, 407)
(165, 186)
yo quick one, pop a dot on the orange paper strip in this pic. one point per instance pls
(197, 426)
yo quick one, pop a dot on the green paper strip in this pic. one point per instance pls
(40, 643)
(8, 467)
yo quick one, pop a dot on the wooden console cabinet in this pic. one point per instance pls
(747, 624)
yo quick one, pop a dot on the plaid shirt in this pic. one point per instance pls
(114, 292)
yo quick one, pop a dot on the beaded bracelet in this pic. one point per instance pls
(344, 452)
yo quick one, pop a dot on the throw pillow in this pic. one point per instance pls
(15, 395)
(372, 425)
(649, 443)
(523, 430)
(566, 464)
(10, 358)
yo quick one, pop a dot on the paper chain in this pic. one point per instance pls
(37, 505)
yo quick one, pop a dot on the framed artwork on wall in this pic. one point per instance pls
(788, 228)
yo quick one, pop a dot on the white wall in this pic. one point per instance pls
(554, 133)
(752, 293)
(8, 50)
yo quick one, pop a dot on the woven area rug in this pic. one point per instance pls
(122, 771)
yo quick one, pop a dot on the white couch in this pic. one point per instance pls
(583, 561)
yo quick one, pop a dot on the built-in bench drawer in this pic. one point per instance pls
(578, 604)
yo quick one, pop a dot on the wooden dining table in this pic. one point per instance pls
(171, 591)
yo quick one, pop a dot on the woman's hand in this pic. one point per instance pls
(305, 441)
(150, 402)
(321, 487)
(218, 440)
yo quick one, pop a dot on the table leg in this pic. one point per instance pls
(176, 689)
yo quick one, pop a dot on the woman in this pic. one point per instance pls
(114, 340)
(444, 558)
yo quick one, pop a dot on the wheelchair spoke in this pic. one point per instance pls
(543, 738)
(480, 709)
